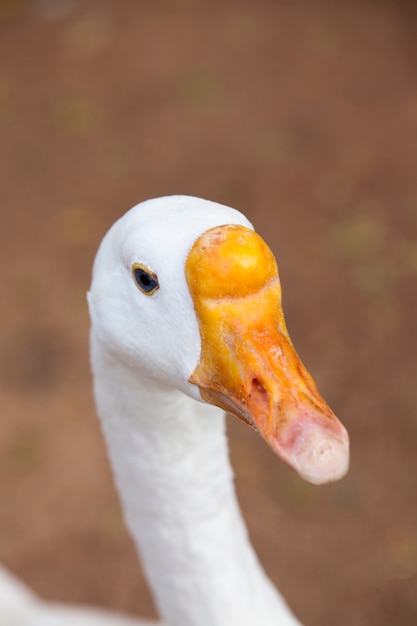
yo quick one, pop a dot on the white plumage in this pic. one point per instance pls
(167, 448)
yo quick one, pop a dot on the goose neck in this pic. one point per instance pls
(170, 460)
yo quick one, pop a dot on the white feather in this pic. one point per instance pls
(168, 450)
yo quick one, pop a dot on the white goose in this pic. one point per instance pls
(186, 314)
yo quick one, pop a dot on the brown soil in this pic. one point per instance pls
(304, 116)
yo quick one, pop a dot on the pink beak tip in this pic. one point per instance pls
(322, 457)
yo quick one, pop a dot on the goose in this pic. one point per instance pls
(187, 324)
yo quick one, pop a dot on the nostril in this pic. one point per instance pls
(259, 400)
(257, 387)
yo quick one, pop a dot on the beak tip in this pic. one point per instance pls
(324, 459)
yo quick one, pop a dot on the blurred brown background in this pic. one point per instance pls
(304, 116)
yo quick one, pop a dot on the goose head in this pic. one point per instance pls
(187, 294)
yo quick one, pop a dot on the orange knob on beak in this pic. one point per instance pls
(248, 365)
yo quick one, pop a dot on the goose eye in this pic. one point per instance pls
(146, 280)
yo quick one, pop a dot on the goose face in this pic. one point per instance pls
(156, 333)
(188, 295)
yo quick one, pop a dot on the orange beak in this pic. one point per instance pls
(248, 365)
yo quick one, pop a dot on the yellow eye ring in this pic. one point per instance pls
(145, 280)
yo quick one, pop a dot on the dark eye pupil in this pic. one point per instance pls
(145, 280)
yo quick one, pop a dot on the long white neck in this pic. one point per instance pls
(170, 460)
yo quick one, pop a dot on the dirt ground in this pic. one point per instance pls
(304, 116)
